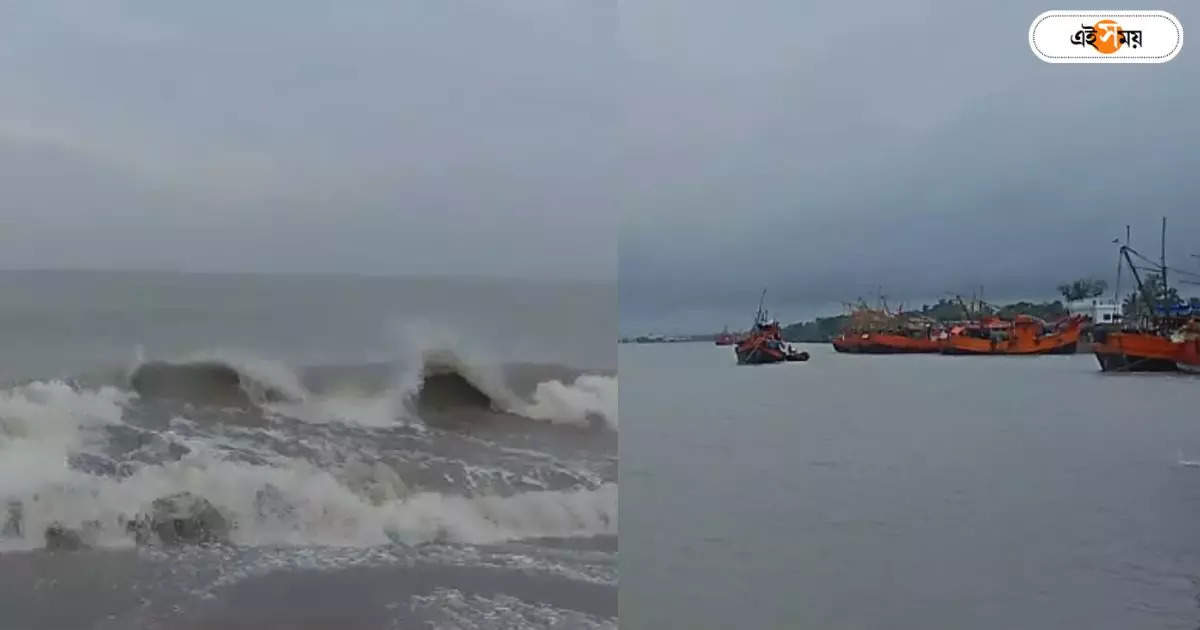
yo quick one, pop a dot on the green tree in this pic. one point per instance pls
(1154, 293)
(1083, 289)
(1048, 311)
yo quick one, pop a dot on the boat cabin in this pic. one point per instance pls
(1098, 310)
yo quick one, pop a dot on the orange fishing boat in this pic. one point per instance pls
(1164, 337)
(879, 331)
(878, 342)
(1135, 351)
(1024, 334)
(764, 343)
(1149, 351)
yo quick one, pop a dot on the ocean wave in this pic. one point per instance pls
(218, 378)
(447, 381)
(57, 468)
(436, 381)
(299, 504)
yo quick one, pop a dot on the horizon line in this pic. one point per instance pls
(345, 274)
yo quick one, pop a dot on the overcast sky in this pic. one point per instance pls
(920, 146)
(409, 136)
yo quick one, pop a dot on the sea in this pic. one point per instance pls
(306, 451)
(906, 492)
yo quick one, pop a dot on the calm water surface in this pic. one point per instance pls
(905, 492)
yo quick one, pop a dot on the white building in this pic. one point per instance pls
(1100, 310)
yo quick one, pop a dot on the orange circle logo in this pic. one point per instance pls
(1109, 37)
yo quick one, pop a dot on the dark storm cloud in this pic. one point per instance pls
(923, 149)
(380, 137)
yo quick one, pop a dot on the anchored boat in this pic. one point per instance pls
(878, 342)
(1135, 351)
(878, 331)
(1024, 334)
(1163, 337)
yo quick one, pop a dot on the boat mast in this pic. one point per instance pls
(1129, 261)
(1117, 287)
(761, 316)
(1163, 253)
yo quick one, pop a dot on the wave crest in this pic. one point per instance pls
(447, 381)
(219, 380)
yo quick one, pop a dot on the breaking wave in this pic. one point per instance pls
(98, 458)
(446, 381)
(215, 382)
(440, 380)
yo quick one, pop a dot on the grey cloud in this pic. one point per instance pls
(454, 137)
(925, 150)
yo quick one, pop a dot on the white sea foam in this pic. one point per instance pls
(383, 410)
(589, 395)
(452, 609)
(42, 422)
(300, 504)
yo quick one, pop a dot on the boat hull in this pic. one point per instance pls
(765, 355)
(874, 343)
(1189, 356)
(959, 347)
(1120, 362)
(759, 356)
(1136, 352)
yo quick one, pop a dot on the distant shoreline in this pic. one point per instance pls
(824, 329)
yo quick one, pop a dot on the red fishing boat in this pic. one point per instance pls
(726, 338)
(764, 343)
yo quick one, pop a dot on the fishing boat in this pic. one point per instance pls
(1135, 351)
(884, 343)
(1023, 334)
(726, 338)
(879, 331)
(1163, 337)
(1148, 350)
(764, 343)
